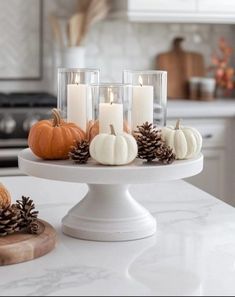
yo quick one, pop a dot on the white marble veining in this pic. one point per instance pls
(192, 254)
(220, 108)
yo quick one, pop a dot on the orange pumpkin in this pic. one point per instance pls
(5, 197)
(53, 139)
(93, 129)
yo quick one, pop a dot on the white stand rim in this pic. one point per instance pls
(138, 172)
(108, 212)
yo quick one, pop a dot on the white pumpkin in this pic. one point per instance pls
(186, 142)
(112, 149)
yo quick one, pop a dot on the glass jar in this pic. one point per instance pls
(112, 103)
(149, 97)
(74, 95)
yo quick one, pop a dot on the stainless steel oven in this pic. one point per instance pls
(18, 112)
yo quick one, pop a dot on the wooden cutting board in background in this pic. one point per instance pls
(181, 65)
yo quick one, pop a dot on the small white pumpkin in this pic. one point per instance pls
(186, 142)
(112, 149)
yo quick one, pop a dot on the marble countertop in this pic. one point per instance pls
(223, 108)
(192, 254)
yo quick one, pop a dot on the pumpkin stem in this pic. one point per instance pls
(177, 126)
(112, 130)
(56, 117)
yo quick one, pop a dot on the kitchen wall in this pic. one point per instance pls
(114, 45)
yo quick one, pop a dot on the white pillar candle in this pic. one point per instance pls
(79, 105)
(110, 114)
(142, 105)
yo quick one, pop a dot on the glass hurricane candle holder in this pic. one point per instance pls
(149, 97)
(112, 106)
(74, 95)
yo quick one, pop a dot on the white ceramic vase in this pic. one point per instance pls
(73, 57)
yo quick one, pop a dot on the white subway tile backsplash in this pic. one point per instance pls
(140, 43)
(114, 45)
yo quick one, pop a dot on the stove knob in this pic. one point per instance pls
(29, 122)
(7, 124)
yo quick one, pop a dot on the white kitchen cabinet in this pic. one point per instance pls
(214, 178)
(162, 5)
(182, 11)
(218, 6)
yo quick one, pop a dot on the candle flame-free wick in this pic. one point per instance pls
(141, 81)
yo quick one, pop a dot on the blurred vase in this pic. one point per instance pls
(207, 88)
(69, 57)
(73, 57)
(223, 93)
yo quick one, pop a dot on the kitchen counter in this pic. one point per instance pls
(192, 254)
(224, 108)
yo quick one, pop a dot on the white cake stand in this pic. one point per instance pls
(108, 212)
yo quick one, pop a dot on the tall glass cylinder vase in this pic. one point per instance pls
(74, 95)
(112, 103)
(149, 97)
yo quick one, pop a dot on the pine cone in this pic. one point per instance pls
(148, 140)
(10, 220)
(165, 154)
(27, 211)
(34, 228)
(80, 153)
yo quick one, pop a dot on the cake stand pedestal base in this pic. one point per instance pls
(109, 213)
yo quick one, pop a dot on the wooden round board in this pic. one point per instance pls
(18, 248)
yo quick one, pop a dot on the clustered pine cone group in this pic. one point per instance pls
(19, 217)
(80, 153)
(151, 145)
